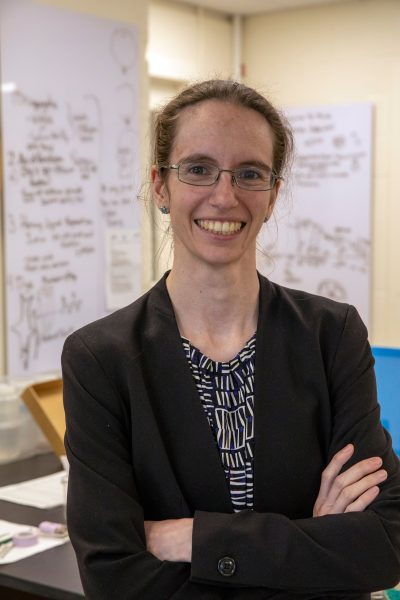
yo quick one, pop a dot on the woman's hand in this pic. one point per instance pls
(170, 539)
(351, 491)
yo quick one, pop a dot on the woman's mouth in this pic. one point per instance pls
(221, 227)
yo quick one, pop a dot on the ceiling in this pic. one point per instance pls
(246, 7)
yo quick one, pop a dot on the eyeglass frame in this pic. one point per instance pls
(176, 167)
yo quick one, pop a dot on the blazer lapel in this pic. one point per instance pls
(288, 427)
(188, 438)
(272, 403)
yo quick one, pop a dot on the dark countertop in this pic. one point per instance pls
(50, 574)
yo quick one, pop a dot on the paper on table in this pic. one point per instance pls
(43, 492)
(17, 553)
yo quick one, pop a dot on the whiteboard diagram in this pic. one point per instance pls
(71, 172)
(321, 239)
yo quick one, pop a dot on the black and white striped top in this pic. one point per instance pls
(226, 390)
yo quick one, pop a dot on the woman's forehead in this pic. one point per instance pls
(220, 109)
(221, 122)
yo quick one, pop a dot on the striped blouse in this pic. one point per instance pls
(226, 390)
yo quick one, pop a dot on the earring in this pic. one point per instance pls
(266, 219)
(164, 210)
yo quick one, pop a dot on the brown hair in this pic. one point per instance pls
(227, 91)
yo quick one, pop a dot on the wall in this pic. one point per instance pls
(131, 12)
(343, 53)
(187, 43)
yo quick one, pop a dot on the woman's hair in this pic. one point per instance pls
(226, 91)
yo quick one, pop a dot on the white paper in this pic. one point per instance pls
(123, 252)
(16, 553)
(42, 492)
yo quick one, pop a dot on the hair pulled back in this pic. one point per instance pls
(227, 91)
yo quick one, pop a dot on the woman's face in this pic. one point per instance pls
(228, 136)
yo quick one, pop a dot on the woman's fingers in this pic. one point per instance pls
(355, 473)
(332, 470)
(364, 500)
(352, 490)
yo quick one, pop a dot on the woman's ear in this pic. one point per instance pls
(159, 188)
(272, 199)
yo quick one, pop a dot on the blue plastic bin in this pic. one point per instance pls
(387, 369)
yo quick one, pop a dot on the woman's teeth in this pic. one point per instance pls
(223, 227)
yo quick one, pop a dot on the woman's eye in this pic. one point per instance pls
(197, 169)
(250, 174)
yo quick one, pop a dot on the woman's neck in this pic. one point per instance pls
(216, 309)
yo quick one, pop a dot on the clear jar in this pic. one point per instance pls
(33, 440)
(10, 423)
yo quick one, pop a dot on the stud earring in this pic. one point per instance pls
(164, 210)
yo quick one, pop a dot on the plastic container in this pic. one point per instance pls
(32, 439)
(10, 423)
(20, 436)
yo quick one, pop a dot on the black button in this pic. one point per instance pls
(226, 566)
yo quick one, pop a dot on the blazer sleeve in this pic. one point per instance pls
(347, 553)
(105, 518)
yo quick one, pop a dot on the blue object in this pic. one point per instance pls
(392, 594)
(387, 369)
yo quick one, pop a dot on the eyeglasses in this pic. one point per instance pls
(248, 177)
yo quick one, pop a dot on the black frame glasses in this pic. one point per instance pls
(248, 177)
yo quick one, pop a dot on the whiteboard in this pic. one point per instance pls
(71, 175)
(320, 239)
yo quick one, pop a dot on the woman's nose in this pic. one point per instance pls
(224, 190)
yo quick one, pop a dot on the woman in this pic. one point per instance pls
(217, 378)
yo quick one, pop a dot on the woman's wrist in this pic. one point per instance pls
(170, 539)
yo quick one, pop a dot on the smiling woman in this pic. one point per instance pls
(223, 432)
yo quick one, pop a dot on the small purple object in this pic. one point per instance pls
(25, 538)
(53, 529)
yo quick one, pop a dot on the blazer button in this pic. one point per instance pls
(226, 566)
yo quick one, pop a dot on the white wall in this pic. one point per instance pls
(343, 53)
(187, 43)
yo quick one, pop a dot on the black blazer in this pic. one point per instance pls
(140, 447)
